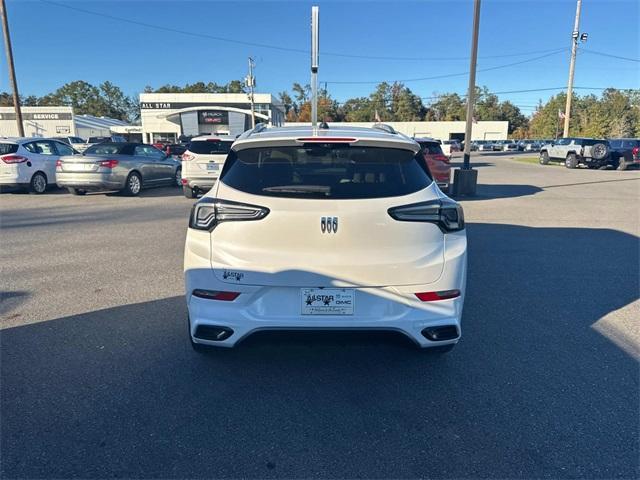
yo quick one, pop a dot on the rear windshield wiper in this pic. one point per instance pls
(299, 189)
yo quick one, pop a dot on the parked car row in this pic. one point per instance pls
(37, 163)
(619, 153)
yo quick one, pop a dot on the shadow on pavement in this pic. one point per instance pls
(493, 191)
(532, 390)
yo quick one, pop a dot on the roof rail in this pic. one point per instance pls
(257, 129)
(385, 128)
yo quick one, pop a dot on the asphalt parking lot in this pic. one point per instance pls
(98, 378)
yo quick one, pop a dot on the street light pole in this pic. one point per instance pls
(574, 50)
(465, 180)
(12, 72)
(315, 46)
(251, 82)
(471, 94)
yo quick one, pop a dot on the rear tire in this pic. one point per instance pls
(76, 191)
(622, 164)
(38, 183)
(571, 161)
(189, 192)
(133, 185)
(178, 177)
(544, 158)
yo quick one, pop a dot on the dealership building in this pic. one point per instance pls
(481, 130)
(57, 122)
(166, 116)
(38, 121)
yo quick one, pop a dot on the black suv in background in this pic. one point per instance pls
(625, 152)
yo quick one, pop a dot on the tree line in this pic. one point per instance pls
(615, 113)
(395, 102)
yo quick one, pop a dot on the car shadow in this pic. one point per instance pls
(537, 387)
(51, 190)
(495, 191)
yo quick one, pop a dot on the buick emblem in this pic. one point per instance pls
(329, 224)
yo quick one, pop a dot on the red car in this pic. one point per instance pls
(437, 162)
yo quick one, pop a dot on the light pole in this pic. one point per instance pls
(12, 72)
(250, 83)
(315, 40)
(465, 180)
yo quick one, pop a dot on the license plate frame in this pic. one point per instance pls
(327, 301)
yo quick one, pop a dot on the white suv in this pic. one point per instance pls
(332, 229)
(202, 163)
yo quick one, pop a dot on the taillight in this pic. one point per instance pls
(108, 163)
(447, 214)
(187, 156)
(14, 159)
(216, 295)
(434, 296)
(635, 151)
(441, 158)
(58, 163)
(209, 212)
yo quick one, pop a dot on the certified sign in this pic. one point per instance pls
(327, 301)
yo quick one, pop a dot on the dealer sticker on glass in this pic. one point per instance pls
(327, 301)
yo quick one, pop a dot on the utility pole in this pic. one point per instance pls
(250, 83)
(465, 180)
(574, 50)
(12, 71)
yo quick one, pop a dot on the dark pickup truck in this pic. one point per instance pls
(625, 152)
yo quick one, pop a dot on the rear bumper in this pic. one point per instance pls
(201, 183)
(90, 181)
(260, 308)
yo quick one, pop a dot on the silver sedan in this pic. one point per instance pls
(127, 167)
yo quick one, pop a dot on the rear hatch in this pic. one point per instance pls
(206, 157)
(10, 159)
(328, 222)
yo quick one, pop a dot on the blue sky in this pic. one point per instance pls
(54, 45)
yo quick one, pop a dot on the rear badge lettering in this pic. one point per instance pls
(329, 224)
(237, 276)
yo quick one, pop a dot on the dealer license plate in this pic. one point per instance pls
(327, 301)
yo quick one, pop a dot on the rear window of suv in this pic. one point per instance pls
(326, 172)
(210, 147)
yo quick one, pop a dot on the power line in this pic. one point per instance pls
(529, 90)
(447, 75)
(275, 47)
(610, 55)
(463, 95)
